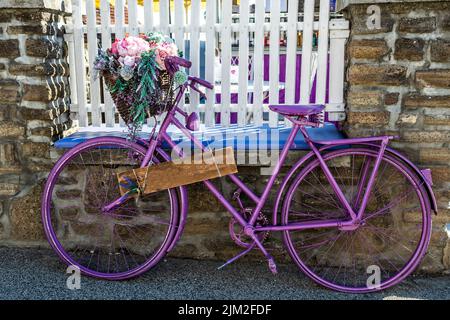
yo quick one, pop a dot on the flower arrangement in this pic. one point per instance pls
(137, 75)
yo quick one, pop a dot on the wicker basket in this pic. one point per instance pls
(160, 101)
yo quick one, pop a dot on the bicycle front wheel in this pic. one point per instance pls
(391, 239)
(115, 245)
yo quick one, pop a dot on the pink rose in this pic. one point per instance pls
(114, 47)
(136, 46)
(160, 57)
(121, 48)
(152, 44)
(170, 48)
(130, 46)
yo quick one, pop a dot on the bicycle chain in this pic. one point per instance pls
(238, 236)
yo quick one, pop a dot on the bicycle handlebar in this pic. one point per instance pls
(178, 61)
(201, 82)
(173, 62)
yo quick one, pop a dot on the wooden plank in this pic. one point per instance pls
(92, 49)
(194, 48)
(164, 23)
(166, 175)
(133, 24)
(79, 63)
(178, 28)
(148, 27)
(341, 25)
(274, 54)
(225, 38)
(164, 16)
(119, 25)
(305, 87)
(201, 108)
(337, 64)
(243, 62)
(148, 15)
(337, 69)
(210, 47)
(119, 19)
(258, 64)
(73, 71)
(291, 54)
(322, 65)
(179, 24)
(106, 43)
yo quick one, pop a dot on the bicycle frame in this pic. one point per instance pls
(249, 225)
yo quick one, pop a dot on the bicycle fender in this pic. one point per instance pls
(424, 175)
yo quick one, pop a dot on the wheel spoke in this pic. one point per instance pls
(338, 258)
(107, 245)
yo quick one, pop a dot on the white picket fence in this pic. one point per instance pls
(92, 106)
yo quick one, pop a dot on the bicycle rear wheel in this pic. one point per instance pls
(379, 253)
(116, 245)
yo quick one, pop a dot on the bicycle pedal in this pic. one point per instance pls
(272, 266)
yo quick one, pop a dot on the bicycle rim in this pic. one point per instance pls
(376, 255)
(122, 244)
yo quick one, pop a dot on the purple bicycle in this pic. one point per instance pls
(355, 215)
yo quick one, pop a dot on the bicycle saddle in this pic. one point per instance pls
(297, 109)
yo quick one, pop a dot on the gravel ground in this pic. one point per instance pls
(38, 274)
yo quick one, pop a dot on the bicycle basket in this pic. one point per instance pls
(155, 104)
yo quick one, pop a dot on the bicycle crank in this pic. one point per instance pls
(246, 237)
(237, 232)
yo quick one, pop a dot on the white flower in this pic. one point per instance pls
(126, 73)
(129, 61)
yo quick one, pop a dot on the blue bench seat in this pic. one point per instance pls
(248, 137)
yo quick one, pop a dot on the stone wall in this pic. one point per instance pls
(33, 110)
(398, 82)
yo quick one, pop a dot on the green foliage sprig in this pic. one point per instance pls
(119, 86)
(148, 71)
